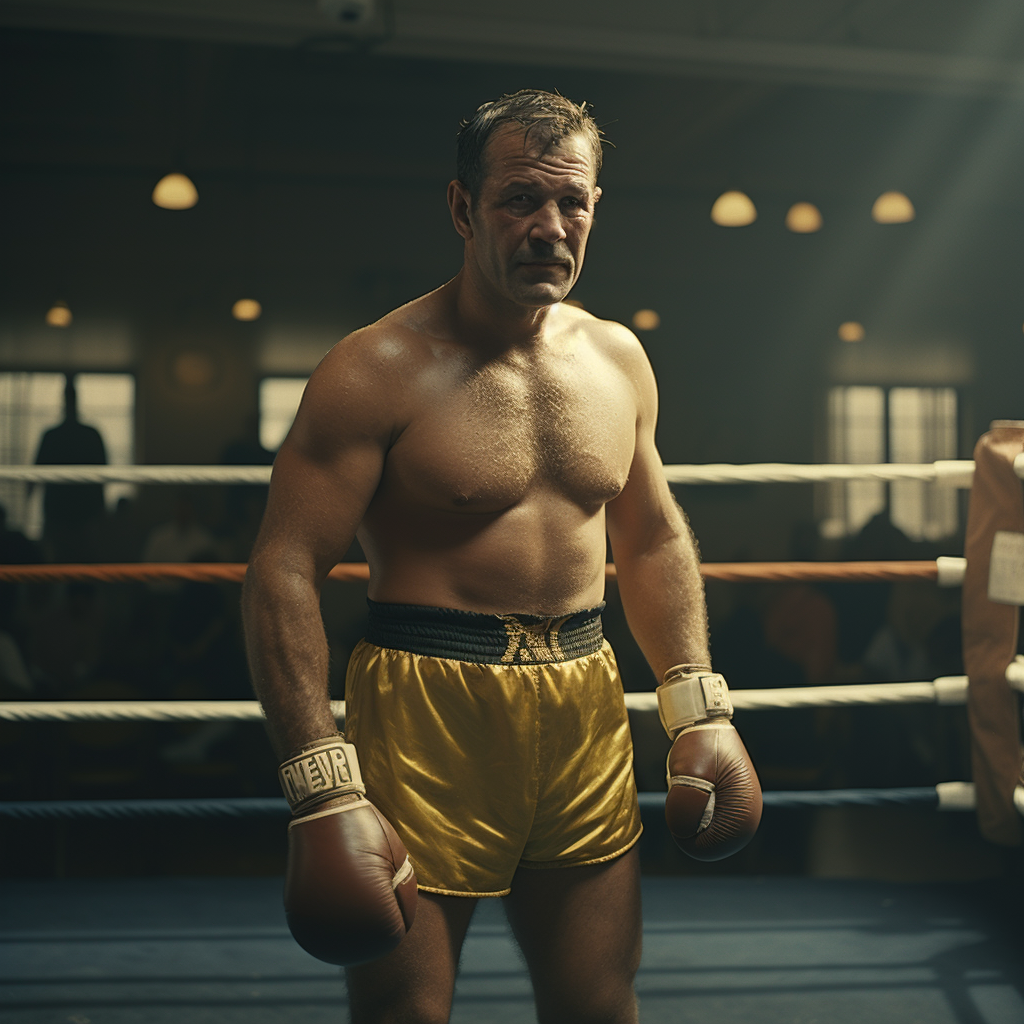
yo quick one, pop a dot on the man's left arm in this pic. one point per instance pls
(713, 805)
(656, 560)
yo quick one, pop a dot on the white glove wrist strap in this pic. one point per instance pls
(324, 771)
(688, 697)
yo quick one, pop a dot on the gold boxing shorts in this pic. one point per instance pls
(492, 742)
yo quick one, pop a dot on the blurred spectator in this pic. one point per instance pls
(862, 606)
(119, 538)
(15, 549)
(71, 512)
(909, 644)
(66, 643)
(182, 539)
(244, 503)
(204, 661)
(800, 624)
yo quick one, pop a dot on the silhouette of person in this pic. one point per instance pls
(71, 512)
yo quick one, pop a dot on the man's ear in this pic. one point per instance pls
(459, 203)
(597, 195)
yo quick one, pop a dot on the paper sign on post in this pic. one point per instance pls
(1006, 568)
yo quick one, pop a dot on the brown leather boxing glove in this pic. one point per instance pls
(350, 889)
(714, 802)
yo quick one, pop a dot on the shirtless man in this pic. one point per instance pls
(480, 442)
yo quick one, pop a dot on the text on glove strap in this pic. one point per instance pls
(321, 773)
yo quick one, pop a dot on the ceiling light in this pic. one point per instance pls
(892, 208)
(246, 309)
(58, 315)
(733, 210)
(851, 330)
(803, 218)
(646, 320)
(175, 192)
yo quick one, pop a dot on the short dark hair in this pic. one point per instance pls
(546, 116)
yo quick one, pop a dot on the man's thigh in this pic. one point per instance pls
(416, 981)
(580, 930)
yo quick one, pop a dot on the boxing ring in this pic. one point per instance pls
(739, 948)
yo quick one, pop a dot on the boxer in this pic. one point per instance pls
(482, 442)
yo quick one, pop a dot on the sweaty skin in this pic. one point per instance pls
(492, 496)
(480, 440)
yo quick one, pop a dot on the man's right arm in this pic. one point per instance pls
(350, 888)
(324, 477)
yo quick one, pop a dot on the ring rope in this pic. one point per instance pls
(195, 807)
(137, 474)
(140, 711)
(146, 572)
(946, 690)
(946, 796)
(947, 571)
(952, 472)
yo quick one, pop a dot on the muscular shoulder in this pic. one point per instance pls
(620, 347)
(363, 386)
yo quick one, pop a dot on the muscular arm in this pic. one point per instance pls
(655, 553)
(324, 477)
(713, 804)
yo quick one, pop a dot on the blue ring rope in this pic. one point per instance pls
(204, 807)
(266, 807)
(922, 796)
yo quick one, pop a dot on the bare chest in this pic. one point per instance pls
(488, 439)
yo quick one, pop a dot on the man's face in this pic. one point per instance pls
(528, 228)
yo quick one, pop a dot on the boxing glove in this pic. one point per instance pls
(350, 889)
(713, 805)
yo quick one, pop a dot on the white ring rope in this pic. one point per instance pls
(946, 690)
(140, 711)
(137, 474)
(952, 472)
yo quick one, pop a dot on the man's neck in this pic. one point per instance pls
(484, 317)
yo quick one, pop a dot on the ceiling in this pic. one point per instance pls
(322, 151)
(943, 46)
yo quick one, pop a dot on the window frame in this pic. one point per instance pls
(833, 499)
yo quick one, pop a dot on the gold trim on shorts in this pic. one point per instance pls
(484, 768)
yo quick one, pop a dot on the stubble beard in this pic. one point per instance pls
(548, 288)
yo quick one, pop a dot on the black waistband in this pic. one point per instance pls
(487, 639)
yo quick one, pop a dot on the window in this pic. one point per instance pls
(278, 403)
(30, 403)
(897, 425)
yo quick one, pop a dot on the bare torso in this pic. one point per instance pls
(493, 491)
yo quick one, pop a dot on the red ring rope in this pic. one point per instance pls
(211, 572)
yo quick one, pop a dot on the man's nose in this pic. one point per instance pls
(547, 224)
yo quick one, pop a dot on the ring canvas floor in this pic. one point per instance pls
(767, 950)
